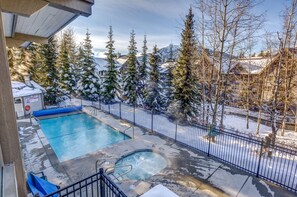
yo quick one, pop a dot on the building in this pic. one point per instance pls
(28, 97)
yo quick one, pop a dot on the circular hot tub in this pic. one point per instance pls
(139, 165)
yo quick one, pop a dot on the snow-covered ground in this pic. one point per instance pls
(242, 150)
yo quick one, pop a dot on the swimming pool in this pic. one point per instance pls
(139, 166)
(76, 135)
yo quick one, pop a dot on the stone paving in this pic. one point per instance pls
(188, 173)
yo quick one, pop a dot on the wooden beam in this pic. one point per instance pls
(19, 39)
(79, 7)
(15, 19)
(22, 7)
(9, 136)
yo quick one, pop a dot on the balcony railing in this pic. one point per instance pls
(97, 185)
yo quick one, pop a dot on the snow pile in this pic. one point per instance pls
(159, 190)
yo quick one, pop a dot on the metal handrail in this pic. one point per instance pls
(96, 165)
(120, 175)
(124, 131)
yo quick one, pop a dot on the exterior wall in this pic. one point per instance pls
(34, 101)
(19, 107)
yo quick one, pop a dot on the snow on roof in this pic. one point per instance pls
(226, 65)
(159, 190)
(254, 65)
(122, 60)
(20, 89)
(100, 64)
(36, 85)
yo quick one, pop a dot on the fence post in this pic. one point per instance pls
(120, 106)
(152, 121)
(260, 157)
(81, 104)
(208, 133)
(108, 108)
(134, 114)
(175, 130)
(102, 190)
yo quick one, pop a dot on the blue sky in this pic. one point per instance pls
(161, 20)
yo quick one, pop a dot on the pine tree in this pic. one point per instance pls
(14, 74)
(142, 73)
(111, 81)
(24, 63)
(49, 56)
(66, 66)
(130, 77)
(37, 71)
(154, 96)
(184, 106)
(79, 63)
(170, 59)
(89, 83)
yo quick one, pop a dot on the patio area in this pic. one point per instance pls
(188, 173)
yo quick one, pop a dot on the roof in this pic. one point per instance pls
(35, 21)
(101, 64)
(20, 89)
(254, 65)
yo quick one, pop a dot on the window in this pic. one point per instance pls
(17, 100)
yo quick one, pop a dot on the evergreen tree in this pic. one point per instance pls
(142, 73)
(154, 97)
(111, 81)
(89, 83)
(49, 56)
(24, 62)
(79, 63)
(66, 66)
(14, 74)
(170, 59)
(167, 83)
(37, 71)
(184, 106)
(130, 76)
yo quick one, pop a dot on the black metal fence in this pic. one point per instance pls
(276, 163)
(97, 185)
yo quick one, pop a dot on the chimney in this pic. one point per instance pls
(27, 80)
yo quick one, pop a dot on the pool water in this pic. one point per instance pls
(76, 135)
(144, 165)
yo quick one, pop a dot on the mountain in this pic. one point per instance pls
(165, 52)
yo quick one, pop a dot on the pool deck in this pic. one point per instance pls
(189, 173)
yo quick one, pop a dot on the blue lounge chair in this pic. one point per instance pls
(39, 186)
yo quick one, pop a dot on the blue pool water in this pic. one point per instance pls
(144, 165)
(76, 135)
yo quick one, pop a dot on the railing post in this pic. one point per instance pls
(100, 104)
(175, 131)
(152, 121)
(102, 190)
(120, 106)
(81, 104)
(108, 108)
(260, 157)
(134, 114)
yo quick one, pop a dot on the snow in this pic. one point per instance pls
(159, 190)
(20, 89)
(241, 150)
(36, 85)
(122, 60)
(254, 65)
